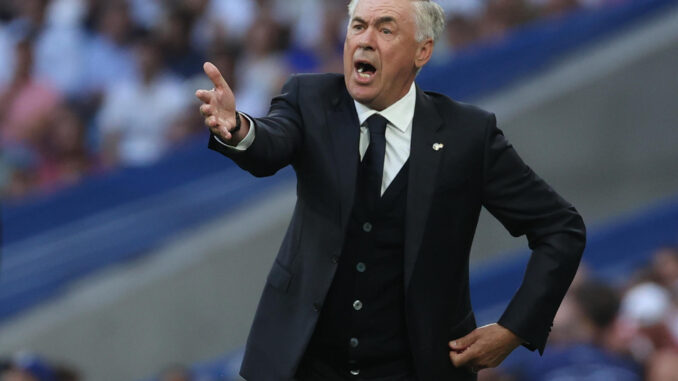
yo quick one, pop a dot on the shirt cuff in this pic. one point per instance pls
(246, 142)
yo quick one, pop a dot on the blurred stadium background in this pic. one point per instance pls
(131, 252)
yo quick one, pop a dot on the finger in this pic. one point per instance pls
(204, 95)
(464, 342)
(454, 357)
(206, 110)
(211, 121)
(461, 359)
(215, 76)
(223, 132)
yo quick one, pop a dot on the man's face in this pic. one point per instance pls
(381, 54)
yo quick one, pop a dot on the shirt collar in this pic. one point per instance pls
(399, 114)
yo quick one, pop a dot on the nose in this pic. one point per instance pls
(366, 39)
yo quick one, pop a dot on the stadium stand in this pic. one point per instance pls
(51, 239)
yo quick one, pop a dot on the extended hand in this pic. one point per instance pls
(218, 107)
(484, 347)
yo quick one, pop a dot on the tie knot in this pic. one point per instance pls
(377, 124)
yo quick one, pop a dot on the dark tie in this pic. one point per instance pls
(373, 161)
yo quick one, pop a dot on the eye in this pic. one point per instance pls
(357, 27)
(386, 31)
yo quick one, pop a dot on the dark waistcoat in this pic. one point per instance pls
(362, 323)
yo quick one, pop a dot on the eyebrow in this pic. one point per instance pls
(380, 20)
(385, 19)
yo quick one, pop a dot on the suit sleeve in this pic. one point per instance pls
(278, 136)
(556, 234)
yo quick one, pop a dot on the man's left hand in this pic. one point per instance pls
(484, 347)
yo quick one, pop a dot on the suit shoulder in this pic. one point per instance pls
(319, 81)
(317, 89)
(450, 108)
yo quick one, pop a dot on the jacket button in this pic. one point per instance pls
(354, 342)
(335, 259)
(357, 305)
(316, 307)
(367, 227)
(355, 372)
(360, 267)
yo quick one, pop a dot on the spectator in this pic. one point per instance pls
(222, 20)
(650, 312)
(25, 103)
(64, 157)
(261, 72)
(183, 59)
(307, 19)
(57, 43)
(330, 47)
(109, 53)
(583, 357)
(136, 117)
(324, 51)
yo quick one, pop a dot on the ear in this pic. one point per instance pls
(424, 52)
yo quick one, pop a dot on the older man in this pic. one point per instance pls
(371, 280)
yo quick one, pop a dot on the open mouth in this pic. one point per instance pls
(365, 70)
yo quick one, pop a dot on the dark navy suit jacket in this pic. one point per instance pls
(313, 126)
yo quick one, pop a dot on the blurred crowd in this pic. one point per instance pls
(610, 330)
(91, 85)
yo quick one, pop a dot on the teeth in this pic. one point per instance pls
(361, 69)
(364, 75)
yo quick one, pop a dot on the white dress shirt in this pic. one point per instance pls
(398, 134)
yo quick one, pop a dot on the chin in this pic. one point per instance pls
(362, 94)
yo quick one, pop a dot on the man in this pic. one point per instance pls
(371, 280)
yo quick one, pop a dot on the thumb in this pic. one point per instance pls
(462, 343)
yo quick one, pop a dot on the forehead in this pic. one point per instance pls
(400, 10)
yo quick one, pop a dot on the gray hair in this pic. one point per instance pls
(429, 15)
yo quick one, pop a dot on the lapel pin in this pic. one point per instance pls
(438, 146)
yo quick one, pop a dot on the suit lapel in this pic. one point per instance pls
(424, 162)
(345, 131)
